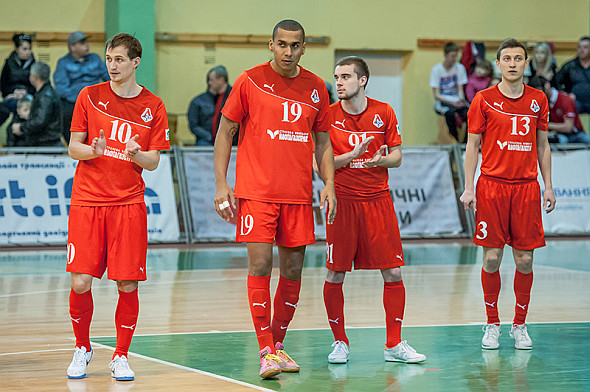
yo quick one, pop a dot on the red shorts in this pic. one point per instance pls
(365, 232)
(289, 225)
(508, 214)
(113, 237)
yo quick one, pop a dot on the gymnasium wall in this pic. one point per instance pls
(387, 26)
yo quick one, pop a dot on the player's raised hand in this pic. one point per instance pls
(548, 200)
(99, 144)
(468, 200)
(225, 201)
(361, 148)
(132, 147)
(328, 195)
(377, 157)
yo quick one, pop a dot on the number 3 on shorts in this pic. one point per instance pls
(482, 229)
(246, 224)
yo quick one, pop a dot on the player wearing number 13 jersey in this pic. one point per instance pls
(118, 129)
(367, 141)
(280, 109)
(510, 122)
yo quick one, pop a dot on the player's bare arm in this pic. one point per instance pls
(544, 158)
(471, 154)
(393, 159)
(325, 158)
(224, 195)
(78, 149)
(358, 150)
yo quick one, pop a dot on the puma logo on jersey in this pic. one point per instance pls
(290, 304)
(131, 327)
(523, 307)
(271, 87)
(335, 321)
(502, 145)
(491, 305)
(257, 304)
(535, 106)
(77, 321)
(399, 319)
(315, 97)
(499, 104)
(147, 115)
(103, 104)
(340, 122)
(272, 134)
(377, 121)
(265, 328)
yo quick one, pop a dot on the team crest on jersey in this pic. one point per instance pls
(535, 106)
(315, 97)
(378, 122)
(147, 115)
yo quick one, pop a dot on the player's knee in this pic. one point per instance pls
(127, 286)
(524, 262)
(491, 262)
(81, 284)
(392, 274)
(291, 271)
(335, 276)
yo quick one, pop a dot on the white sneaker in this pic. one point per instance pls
(522, 340)
(77, 368)
(403, 352)
(491, 336)
(120, 369)
(340, 354)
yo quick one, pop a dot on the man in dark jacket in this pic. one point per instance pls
(574, 76)
(43, 128)
(204, 111)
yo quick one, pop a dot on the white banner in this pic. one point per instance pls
(422, 189)
(35, 195)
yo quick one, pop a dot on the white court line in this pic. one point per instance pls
(38, 351)
(202, 372)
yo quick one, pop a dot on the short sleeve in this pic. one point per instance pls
(393, 135)
(543, 120)
(476, 118)
(322, 119)
(461, 75)
(80, 116)
(159, 132)
(236, 106)
(434, 77)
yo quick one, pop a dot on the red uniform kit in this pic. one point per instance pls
(275, 153)
(365, 229)
(108, 191)
(508, 194)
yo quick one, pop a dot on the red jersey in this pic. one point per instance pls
(275, 146)
(508, 129)
(353, 181)
(113, 179)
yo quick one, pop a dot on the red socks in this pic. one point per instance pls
(259, 299)
(394, 302)
(334, 302)
(81, 308)
(285, 303)
(522, 291)
(125, 320)
(491, 290)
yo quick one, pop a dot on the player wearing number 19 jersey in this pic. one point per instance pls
(118, 129)
(365, 231)
(280, 108)
(510, 121)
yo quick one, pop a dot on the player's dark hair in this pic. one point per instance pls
(538, 82)
(511, 43)
(289, 25)
(450, 47)
(127, 41)
(360, 66)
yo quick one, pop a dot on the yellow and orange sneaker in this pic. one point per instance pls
(269, 363)
(287, 364)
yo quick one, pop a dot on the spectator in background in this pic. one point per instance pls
(480, 79)
(447, 80)
(542, 62)
(76, 70)
(204, 110)
(14, 135)
(574, 76)
(43, 128)
(564, 123)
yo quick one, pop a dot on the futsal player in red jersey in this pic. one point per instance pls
(118, 129)
(279, 107)
(366, 139)
(509, 121)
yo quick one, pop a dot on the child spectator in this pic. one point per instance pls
(479, 80)
(16, 138)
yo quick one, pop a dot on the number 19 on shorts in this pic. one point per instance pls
(246, 224)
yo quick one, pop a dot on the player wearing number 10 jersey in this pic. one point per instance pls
(280, 108)
(118, 129)
(367, 141)
(509, 120)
